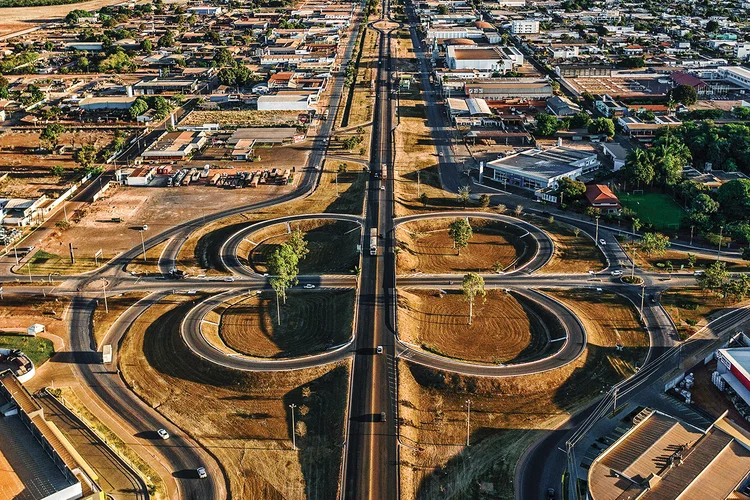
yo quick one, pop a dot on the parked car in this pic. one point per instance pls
(163, 433)
(616, 272)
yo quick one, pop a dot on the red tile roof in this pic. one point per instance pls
(599, 194)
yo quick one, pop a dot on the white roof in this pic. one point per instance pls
(284, 98)
(740, 359)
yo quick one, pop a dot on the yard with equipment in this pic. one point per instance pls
(242, 418)
(332, 246)
(654, 208)
(426, 246)
(507, 414)
(311, 321)
(506, 328)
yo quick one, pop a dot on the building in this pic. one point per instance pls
(243, 140)
(742, 51)
(205, 10)
(501, 59)
(141, 176)
(524, 27)
(106, 103)
(645, 131)
(535, 169)
(156, 86)
(562, 106)
(510, 88)
(36, 460)
(285, 102)
(609, 107)
(601, 197)
(468, 107)
(457, 32)
(735, 74)
(663, 458)
(617, 152)
(174, 146)
(733, 366)
(680, 78)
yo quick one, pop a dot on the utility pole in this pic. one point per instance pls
(15, 250)
(419, 186)
(596, 237)
(337, 184)
(294, 434)
(721, 236)
(65, 211)
(643, 294)
(72, 255)
(143, 246)
(614, 405)
(104, 288)
(28, 264)
(468, 420)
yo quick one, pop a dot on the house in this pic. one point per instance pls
(617, 152)
(601, 197)
(285, 102)
(535, 169)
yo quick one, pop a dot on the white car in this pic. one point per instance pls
(440, 153)
(616, 272)
(380, 349)
(382, 188)
(201, 472)
(602, 242)
(309, 286)
(229, 278)
(163, 433)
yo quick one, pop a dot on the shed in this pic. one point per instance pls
(34, 329)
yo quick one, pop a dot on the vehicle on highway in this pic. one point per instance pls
(382, 188)
(309, 286)
(699, 273)
(602, 242)
(201, 472)
(382, 416)
(380, 349)
(551, 494)
(229, 278)
(373, 241)
(616, 272)
(440, 153)
(163, 433)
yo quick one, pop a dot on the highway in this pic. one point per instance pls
(371, 469)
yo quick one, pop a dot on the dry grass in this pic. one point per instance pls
(573, 254)
(151, 266)
(680, 261)
(691, 309)
(193, 256)
(117, 304)
(244, 118)
(503, 330)
(508, 414)
(311, 321)
(241, 418)
(324, 239)
(18, 312)
(429, 249)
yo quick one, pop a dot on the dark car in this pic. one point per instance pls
(551, 494)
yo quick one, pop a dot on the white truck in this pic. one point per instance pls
(107, 354)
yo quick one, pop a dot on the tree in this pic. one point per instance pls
(283, 264)
(484, 200)
(746, 253)
(442, 9)
(692, 258)
(460, 232)
(497, 266)
(147, 45)
(636, 225)
(734, 199)
(546, 124)
(518, 210)
(684, 94)
(86, 156)
(654, 243)
(138, 107)
(57, 170)
(580, 120)
(472, 286)
(299, 244)
(571, 189)
(50, 136)
(576, 232)
(424, 199)
(712, 26)
(223, 58)
(639, 167)
(602, 126)
(500, 208)
(167, 39)
(463, 195)
(714, 278)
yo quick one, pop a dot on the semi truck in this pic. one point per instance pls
(373, 241)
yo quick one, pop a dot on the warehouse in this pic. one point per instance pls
(174, 146)
(285, 102)
(510, 88)
(502, 59)
(734, 367)
(541, 168)
(662, 458)
(106, 103)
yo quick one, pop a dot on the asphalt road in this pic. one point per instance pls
(371, 470)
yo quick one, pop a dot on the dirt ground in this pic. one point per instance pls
(691, 309)
(573, 254)
(18, 312)
(324, 240)
(507, 414)
(243, 118)
(117, 304)
(351, 186)
(678, 259)
(429, 249)
(503, 330)
(708, 397)
(242, 418)
(285, 157)
(311, 321)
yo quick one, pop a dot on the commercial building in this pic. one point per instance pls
(285, 102)
(468, 107)
(610, 107)
(742, 51)
(510, 88)
(736, 74)
(663, 458)
(36, 460)
(141, 176)
(106, 103)
(645, 131)
(535, 169)
(243, 140)
(562, 106)
(733, 366)
(502, 59)
(524, 27)
(156, 86)
(454, 32)
(205, 10)
(174, 146)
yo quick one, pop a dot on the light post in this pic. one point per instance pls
(28, 265)
(294, 435)
(643, 294)
(596, 237)
(721, 235)
(468, 420)
(15, 250)
(143, 245)
(104, 289)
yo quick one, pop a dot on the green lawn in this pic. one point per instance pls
(37, 349)
(658, 209)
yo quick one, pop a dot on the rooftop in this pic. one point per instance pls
(542, 163)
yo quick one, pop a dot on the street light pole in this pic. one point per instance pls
(143, 246)
(468, 420)
(104, 289)
(596, 237)
(294, 435)
(643, 294)
(28, 265)
(721, 235)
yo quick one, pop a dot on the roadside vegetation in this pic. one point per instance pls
(575, 251)
(242, 418)
(38, 350)
(117, 304)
